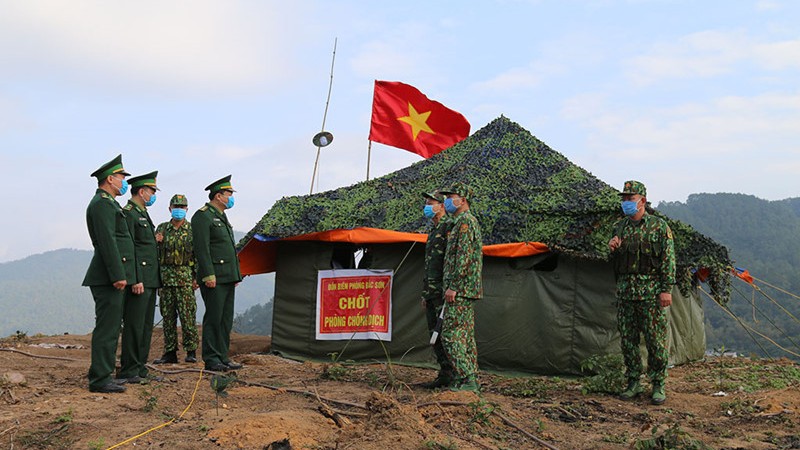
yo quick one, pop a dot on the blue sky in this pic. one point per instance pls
(686, 96)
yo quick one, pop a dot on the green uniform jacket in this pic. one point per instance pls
(644, 264)
(113, 258)
(463, 259)
(145, 246)
(214, 247)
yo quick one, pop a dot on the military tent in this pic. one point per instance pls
(548, 285)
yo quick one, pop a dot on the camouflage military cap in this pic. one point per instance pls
(634, 187)
(178, 200)
(434, 195)
(459, 189)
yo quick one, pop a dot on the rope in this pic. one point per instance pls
(756, 288)
(748, 328)
(738, 320)
(777, 288)
(756, 308)
(170, 421)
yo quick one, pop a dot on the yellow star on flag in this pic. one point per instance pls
(417, 121)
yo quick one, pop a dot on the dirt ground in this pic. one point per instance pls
(280, 404)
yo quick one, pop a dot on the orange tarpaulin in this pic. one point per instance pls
(259, 256)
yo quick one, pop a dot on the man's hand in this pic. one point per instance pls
(159, 237)
(665, 298)
(120, 285)
(211, 284)
(138, 288)
(195, 286)
(614, 243)
(450, 296)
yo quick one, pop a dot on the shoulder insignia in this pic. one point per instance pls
(105, 195)
(669, 232)
(127, 207)
(204, 208)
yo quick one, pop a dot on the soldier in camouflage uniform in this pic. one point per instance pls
(643, 254)
(432, 288)
(463, 264)
(177, 299)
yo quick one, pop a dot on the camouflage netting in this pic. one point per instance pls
(524, 192)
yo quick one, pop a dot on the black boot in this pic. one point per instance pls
(191, 356)
(168, 358)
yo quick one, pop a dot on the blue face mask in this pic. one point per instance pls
(151, 201)
(124, 187)
(629, 207)
(178, 213)
(229, 205)
(428, 211)
(449, 206)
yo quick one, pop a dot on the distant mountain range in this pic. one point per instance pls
(43, 294)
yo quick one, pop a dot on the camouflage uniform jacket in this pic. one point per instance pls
(175, 254)
(434, 261)
(463, 259)
(644, 263)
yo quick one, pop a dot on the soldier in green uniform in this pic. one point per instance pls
(140, 298)
(110, 271)
(217, 273)
(463, 265)
(432, 287)
(643, 255)
(178, 283)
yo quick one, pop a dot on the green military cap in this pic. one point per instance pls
(148, 179)
(110, 168)
(223, 184)
(434, 195)
(634, 187)
(178, 200)
(459, 189)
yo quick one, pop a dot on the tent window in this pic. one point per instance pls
(540, 263)
(343, 256)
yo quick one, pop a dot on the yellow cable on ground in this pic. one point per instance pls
(196, 386)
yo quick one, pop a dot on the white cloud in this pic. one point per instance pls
(730, 144)
(709, 54)
(202, 44)
(768, 5)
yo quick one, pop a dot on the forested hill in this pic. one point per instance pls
(764, 238)
(43, 294)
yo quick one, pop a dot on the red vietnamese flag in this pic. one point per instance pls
(404, 117)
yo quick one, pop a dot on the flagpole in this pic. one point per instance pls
(324, 117)
(369, 153)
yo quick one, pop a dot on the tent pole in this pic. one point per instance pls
(369, 153)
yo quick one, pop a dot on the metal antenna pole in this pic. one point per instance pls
(324, 117)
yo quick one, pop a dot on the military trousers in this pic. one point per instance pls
(137, 332)
(179, 302)
(458, 337)
(432, 309)
(646, 317)
(108, 306)
(217, 322)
